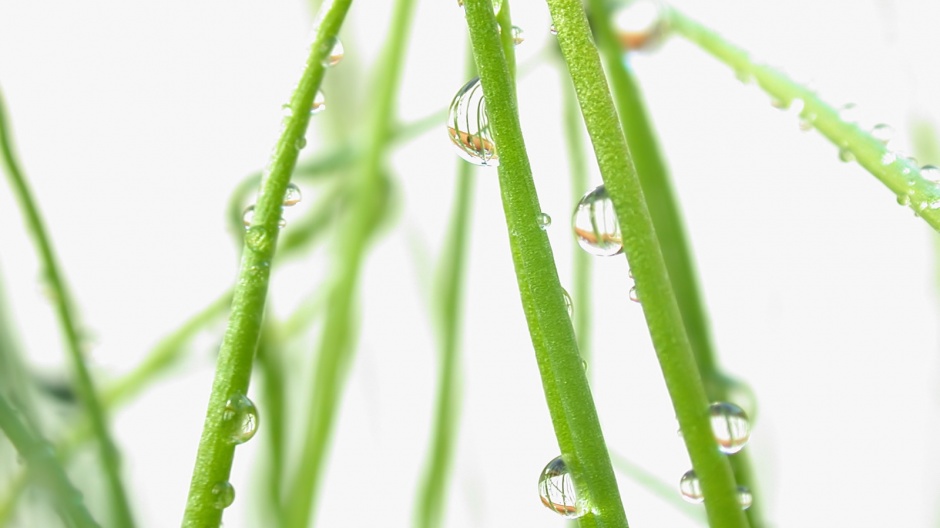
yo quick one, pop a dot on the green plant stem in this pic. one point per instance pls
(566, 389)
(233, 372)
(45, 468)
(356, 227)
(450, 286)
(64, 311)
(897, 172)
(271, 367)
(581, 265)
(504, 19)
(667, 221)
(641, 244)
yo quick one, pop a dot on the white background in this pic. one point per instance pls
(134, 121)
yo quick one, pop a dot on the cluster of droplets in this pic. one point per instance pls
(256, 236)
(468, 126)
(731, 430)
(556, 489)
(641, 25)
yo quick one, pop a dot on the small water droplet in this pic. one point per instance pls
(849, 113)
(569, 304)
(240, 416)
(883, 133)
(552, 30)
(334, 52)
(257, 239)
(282, 222)
(584, 365)
(292, 196)
(846, 155)
(319, 103)
(223, 494)
(595, 224)
(468, 126)
(779, 104)
(691, 488)
(634, 296)
(640, 25)
(930, 173)
(888, 158)
(934, 204)
(556, 489)
(518, 36)
(248, 215)
(286, 110)
(730, 426)
(300, 143)
(904, 199)
(745, 499)
(544, 221)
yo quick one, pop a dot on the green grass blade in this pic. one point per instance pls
(647, 263)
(566, 389)
(64, 311)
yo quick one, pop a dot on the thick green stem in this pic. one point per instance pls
(110, 460)
(233, 372)
(641, 244)
(566, 389)
(899, 173)
(356, 227)
(45, 469)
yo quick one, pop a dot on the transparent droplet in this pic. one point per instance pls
(334, 52)
(634, 296)
(544, 221)
(745, 498)
(846, 155)
(807, 121)
(286, 110)
(292, 196)
(468, 126)
(518, 36)
(240, 417)
(640, 24)
(258, 239)
(595, 224)
(930, 173)
(282, 222)
(584, 365)
(552, 30)
(569, 304)
(248, 215)
(691, 488)
(319, 103)
(849, 113)
(223, 494)
(904, 199)
(888, 158)
(730, 426)
(556, 489)
(883, 133)
(300, 143)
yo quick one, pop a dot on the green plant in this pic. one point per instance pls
(318, 374)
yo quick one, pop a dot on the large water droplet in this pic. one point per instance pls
(595, 224)
(334, 50)
(745, 498)
(691, 488)
(640, 24)
(730, 426)
(544, 221)
(240, 418)
(223, 494)
(468, 126)
(556, 489)
(292, 196)
(518, 36)
(319, 103)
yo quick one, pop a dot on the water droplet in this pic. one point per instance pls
(292, 196)
(779, 104)
(595, 224)
(930, 173)
(640, 25)
(849, 113)
(888, 158)
(934, 204)
(544, 221)
(634, 296)
(883, 133)
(846, 155)
(319, 103)
(334, 50)
(300, 143)
(257, 239)
(730, 426)
(904, 199)
(745, 499)
(552, 30)
(691, 488)
(518, 36)
(584, 365)
(468, 126)
(286, 110)
(241, 419)
(223, 494)
(248, 215)
(556, 489)
(282, 222)
(569, 304)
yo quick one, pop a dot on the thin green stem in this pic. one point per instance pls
(64, 306)
(356, 227)
(504, 19)
(233, 372)
(45, 469)
(566, 388)
(897, 172)
(641, 244)
(272, 370)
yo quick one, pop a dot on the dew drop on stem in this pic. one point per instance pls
(248, 216)
(292, 196)
(556, 489)
(634, 296)
(595, 224)
(334, 52)
(930, 173)
(518, 36)
(468, 126)
(691, 488)
(846, 155)
(882, 133)
(730, 426)
(223, 494)
(240, 419)
(552, 30)
(319, 103)
(569, 304)
(544, 221)
(745, 498)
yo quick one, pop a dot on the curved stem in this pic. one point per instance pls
(110, 460)
(641, 244)
(357, 224)
(566, 389)
(233, 372)
(900, 174)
